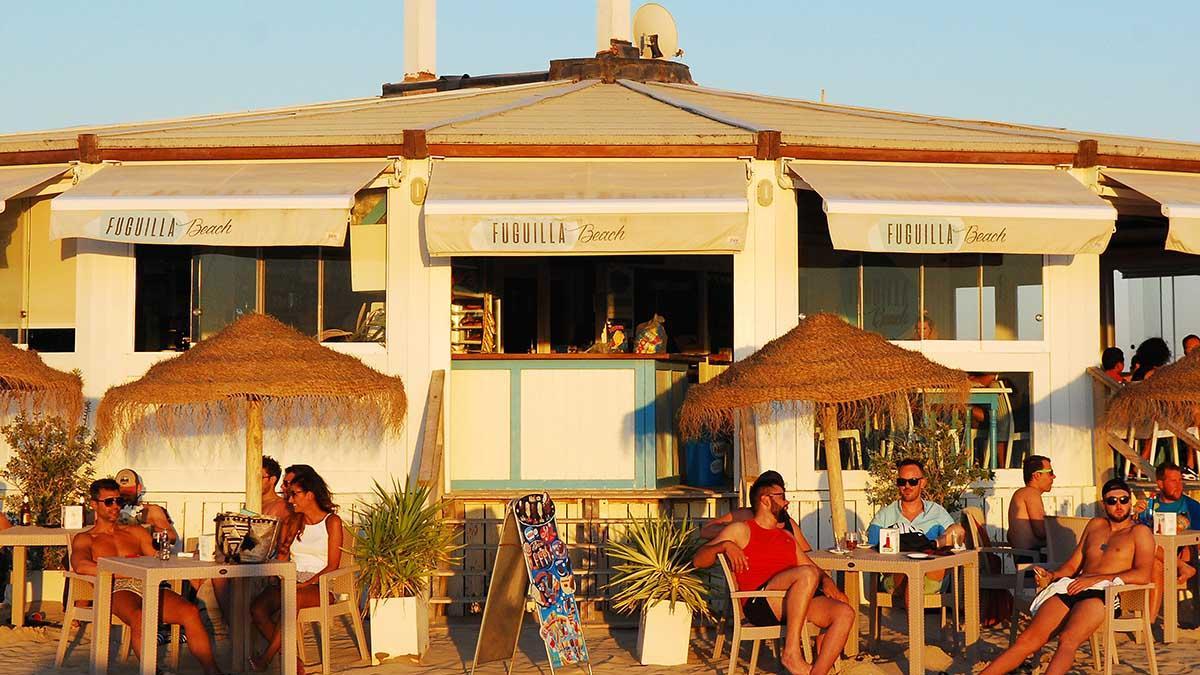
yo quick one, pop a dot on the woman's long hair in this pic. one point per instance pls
(311, 481)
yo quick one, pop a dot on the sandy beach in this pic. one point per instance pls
(27, 651)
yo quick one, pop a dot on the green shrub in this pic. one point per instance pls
(400, 540)
(656, 564)
(950, 468)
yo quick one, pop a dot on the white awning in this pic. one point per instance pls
(16, 179)
(1179, 195)
(586, 207)
(251, 204)
(944, 209)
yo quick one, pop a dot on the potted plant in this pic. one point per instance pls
(655, 575)
(51, 464)
(399, 541)
(950, 468)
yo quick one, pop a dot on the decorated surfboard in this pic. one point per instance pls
(552, 582)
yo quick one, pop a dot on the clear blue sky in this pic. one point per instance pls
(1113, 66)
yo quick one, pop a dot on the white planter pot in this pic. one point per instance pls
(664, 633)
(40, 586)
(398, 626)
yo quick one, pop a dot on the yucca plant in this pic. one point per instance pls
(656, 564)
(399, 541)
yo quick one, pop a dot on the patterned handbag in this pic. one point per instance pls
(246, 539)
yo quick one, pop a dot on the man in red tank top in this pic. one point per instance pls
(765, 556)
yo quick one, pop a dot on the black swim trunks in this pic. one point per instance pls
(1071, 600)
(759, 613)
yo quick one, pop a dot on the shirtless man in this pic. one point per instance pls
(1026, 513)
(764, 556)
(272, 503)
(740, 515)
(108, 539)
(1112, 546)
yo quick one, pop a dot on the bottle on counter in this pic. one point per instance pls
(26, 517)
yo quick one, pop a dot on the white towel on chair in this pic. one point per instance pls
(1059, 587)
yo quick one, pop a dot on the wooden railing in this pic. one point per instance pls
(1105, 440)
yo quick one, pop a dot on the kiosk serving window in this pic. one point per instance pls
(37, 279)
(334, 293)
(583, 304)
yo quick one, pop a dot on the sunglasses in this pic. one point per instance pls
(1113, 501)
(1049, 471)
(107, 501)
(911, 482)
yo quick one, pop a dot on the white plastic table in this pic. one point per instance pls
(152, 572)
(1171, 543)
(870, 560)
(20, 538)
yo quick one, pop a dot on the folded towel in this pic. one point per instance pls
(1059, 587)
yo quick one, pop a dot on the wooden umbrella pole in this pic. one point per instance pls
(833, 464)
(254, 452)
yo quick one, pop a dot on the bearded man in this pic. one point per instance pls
(1113, 550)
(765, 556)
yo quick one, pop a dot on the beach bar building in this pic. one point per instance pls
(492, 240)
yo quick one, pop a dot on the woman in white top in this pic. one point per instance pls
(312, 539)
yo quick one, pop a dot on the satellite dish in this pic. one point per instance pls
(654, 32)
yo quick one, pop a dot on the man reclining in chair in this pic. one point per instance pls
(766, 557)
(1113, 550)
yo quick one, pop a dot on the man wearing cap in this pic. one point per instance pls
(764, 556)
(1113, 550)
(133, 512)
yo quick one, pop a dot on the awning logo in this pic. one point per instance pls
(919, 234)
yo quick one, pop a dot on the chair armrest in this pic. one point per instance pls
(1129, 588)
(88, 578)
(1008, 550)
(757, 594)
(326, 580)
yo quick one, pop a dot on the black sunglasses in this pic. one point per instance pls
(912, 482)
(107, 501)
(1113, 501)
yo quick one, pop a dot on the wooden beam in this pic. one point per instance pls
(748, 440)
(89, 148)
(934, 156)
(1102, 458)
(769, 144)
(254, 452)
(1151, 163)
(414, 144)
(827, 418)
(38, 157)
(1087, 155)
(581, 150)
(251, 152)
(430, 472)
(1128, 452)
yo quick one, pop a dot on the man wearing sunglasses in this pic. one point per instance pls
(1026, 513)
(110, 539)
(764, 556)
(740, 515)
(913, 513)
(1114, 549)
(1170, 499)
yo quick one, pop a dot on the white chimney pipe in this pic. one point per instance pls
(612, 21)
(420, 40)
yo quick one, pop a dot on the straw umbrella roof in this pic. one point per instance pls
(254, 358)
(824, 360)
(25, 380)
(1172, 393)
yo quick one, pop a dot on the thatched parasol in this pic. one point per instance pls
(27, 382)
(1172, 393)
(255, 364)
(847, 372)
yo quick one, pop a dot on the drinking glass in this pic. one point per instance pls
(956, 542)
(851, 541)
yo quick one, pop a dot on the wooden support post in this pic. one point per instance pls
(833, 466)
(748, 440)
(254, 452)
(1102, 456)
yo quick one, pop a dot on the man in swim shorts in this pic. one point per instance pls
(1113, 550)
(108, 539)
